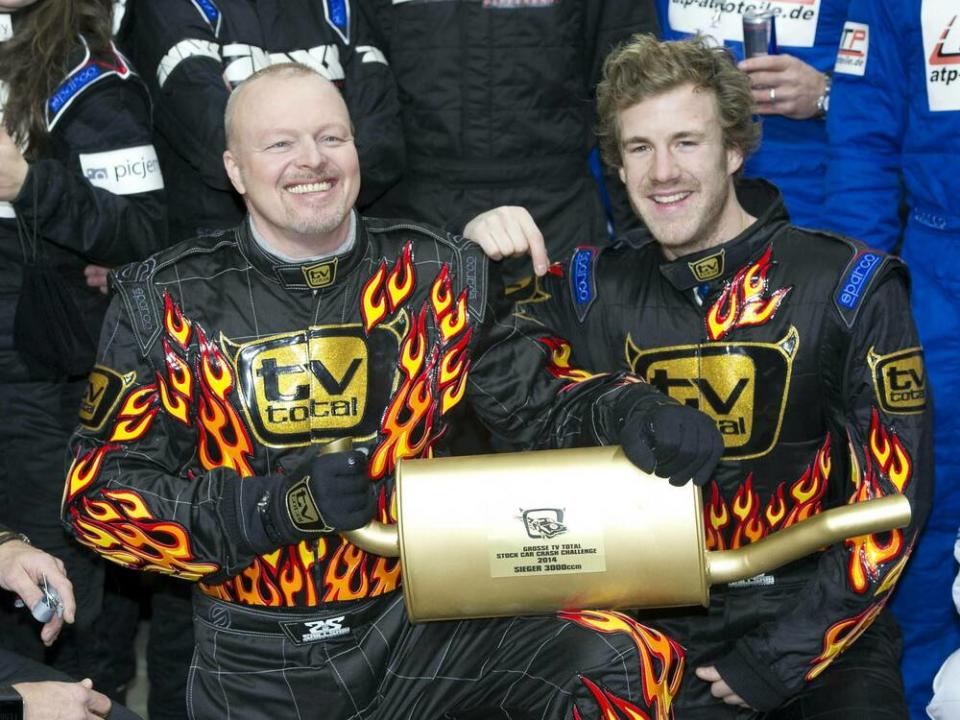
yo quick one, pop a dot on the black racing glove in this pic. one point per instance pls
(327, 493)
(675, 441)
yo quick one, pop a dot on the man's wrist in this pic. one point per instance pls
(10, 535)
(11, 703)
(823, 102)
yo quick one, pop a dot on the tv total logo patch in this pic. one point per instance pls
(123, 172)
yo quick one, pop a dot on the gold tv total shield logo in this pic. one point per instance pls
(900, 381)
(313, 385)
(734, 383)
(322, 274)
(103, 392)
(707, 268)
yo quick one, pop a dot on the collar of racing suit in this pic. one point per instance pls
(315, 273)
(759, 198)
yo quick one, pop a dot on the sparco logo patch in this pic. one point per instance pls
(104, 390)
(310, 631)
(544, 523)
(315, 384)
(734, 383)
(583, 279)
(708, 268)
(857, 279)
(900, 381)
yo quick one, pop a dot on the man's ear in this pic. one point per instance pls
(622, 174)
(734, 160)
(233, 172)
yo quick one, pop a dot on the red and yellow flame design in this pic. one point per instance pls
(841, 635)
(384, 293)
(746, 300)
(120, 527)
(885, 457)
(433, 377)
(746, 519)
(559, 363)
(118, 524)
(661, 666)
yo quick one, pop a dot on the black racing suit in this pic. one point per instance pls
(93, 194)
(194, 52)
(220, 366)
(802, 347)
(498, 108)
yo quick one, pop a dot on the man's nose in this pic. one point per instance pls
(665, 167)
(311, 154)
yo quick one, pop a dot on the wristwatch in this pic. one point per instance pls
(823, 102)
(11, 703)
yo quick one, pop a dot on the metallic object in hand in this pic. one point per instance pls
(759, 33)
(47, 606)
(531, 533)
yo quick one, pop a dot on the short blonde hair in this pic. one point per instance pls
(645, 66)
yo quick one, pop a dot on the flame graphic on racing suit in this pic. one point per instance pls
(118, 524)
(884, 457)
(384, 293)
(746, 300)
(754, 521)
(433, 375)
(559, 363)
(661, 666)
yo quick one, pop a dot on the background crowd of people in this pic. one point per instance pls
(111, 149)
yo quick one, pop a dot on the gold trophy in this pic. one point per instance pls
(536, 532)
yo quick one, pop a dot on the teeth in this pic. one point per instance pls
(665, 199)
(310, 187)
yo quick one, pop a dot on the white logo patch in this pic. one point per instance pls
(324, 629)
(6, 27)
(854, 49)
(123, 172)
(940, 23)
(723, 19)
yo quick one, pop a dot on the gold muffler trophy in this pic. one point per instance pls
(536, 532)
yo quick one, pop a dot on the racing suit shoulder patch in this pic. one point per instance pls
(583, 279)
(82, 77)
(210, 14)
(337, 15)
(469, 266)
(134, 284)
(859, 275)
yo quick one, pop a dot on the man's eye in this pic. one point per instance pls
(687, 144)
(332, 140)
(279, 145)
(635, 149)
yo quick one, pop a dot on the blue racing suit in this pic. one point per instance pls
(894, 153)
(793, 152)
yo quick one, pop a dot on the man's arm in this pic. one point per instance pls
(866, 126)
(526, 386)
(883, 411)
(161, 477)
(107, 203)
(177, 49)
(371, 95)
